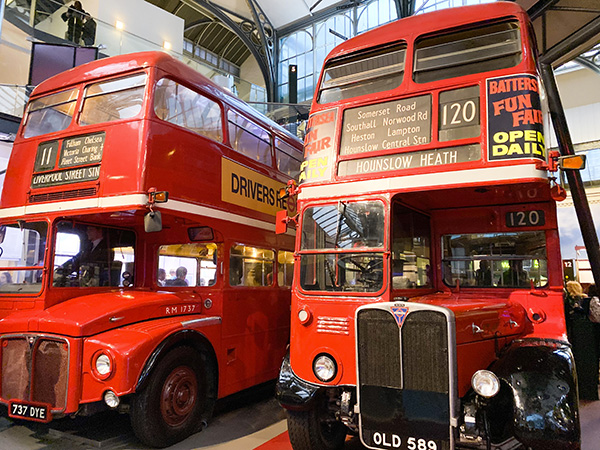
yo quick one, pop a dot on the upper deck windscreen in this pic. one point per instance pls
(444, 55)
(105, 101)
(366, 73)
(466, 52)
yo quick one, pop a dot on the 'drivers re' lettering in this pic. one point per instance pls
(389, 125)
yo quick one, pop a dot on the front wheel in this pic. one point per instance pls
(315, 429)
(171, 406)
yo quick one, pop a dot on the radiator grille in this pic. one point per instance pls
(35, 369)
(404, 377)
(378, 349)
(425, 352)
(63, 195)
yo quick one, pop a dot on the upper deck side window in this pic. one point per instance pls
(182, 106)
(466, 52)
(368, 72)
(116, 99)
(288, 158)
(249, 139)
(50, 113)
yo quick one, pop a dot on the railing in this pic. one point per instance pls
(13, 99)
(291, 116)
(112, 41)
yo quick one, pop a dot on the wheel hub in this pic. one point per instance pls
(179, 395)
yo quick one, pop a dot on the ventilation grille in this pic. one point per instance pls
(64, 195)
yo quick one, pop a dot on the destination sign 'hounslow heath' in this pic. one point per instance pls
(425, 158)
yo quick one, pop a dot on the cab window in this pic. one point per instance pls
(90, 255)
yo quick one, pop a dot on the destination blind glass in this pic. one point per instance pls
(395, 124)
(74, 152)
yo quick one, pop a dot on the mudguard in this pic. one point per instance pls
(541, 374)
(290, 391)
(192, 337)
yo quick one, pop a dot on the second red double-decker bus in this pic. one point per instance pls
(427, 307)
(139, 268)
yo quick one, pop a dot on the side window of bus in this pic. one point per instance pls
(180, 105)
(249, 139)
(466, 52)
(93, 256)
(111, 100)
(51, 113)
(182, 265)
(288, 158)
(250, 266)
(285, 268)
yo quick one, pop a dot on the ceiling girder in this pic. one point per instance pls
(246, 31)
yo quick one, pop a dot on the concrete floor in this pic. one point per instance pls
(253, 421)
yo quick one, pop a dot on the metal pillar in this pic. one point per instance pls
(2, 3)
(565, 145)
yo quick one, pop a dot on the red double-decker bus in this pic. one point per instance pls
(139, 265)
(427, 307)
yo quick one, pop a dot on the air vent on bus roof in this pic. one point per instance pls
(63, 195)
(465, 52)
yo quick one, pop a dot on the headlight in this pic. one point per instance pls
(103, 365)
(325, 368)
(485, 383)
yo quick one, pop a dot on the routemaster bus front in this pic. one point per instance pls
(427, 310)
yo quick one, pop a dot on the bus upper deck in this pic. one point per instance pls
(452, 93)
(103, 132)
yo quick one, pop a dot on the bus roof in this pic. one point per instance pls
(131, 62)
(421, 24)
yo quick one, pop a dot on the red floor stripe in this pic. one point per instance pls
(281, 442)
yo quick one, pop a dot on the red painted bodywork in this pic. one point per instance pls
(473, 204)
(251, 330)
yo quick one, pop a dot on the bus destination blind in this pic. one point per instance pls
(384, 126)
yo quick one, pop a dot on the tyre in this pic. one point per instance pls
(315, 429)
(175, 401)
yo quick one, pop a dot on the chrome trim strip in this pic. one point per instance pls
(203, 322)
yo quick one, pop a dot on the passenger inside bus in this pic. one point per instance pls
(515, 275)
(179, 279)
(162, 275)
(483, 275)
